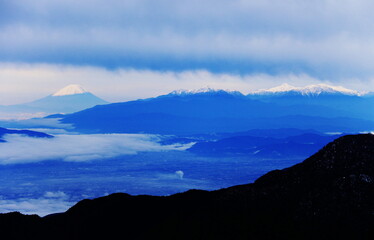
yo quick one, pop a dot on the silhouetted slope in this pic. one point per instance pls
(328, 196)
(14, 225)
(4, 131)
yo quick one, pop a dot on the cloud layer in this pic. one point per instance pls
(324, 38)
(50, 202)
(21, 149)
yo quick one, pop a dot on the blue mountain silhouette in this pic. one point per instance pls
(221, 111)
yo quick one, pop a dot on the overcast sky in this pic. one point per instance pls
(126, 49)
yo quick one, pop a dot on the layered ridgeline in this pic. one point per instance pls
(69, 99)
(328, 196)
(320, 107)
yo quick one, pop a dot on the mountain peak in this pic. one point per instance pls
(315, 89)
(321, 88)
(285, 87)
(70, 90)
(206, 90)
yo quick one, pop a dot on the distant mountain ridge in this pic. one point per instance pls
(328, 196)
(212, 111)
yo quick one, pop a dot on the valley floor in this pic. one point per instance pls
(54, 186)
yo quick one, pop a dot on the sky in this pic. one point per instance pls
(128, 49)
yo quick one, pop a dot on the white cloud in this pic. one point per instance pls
(51, 202)
(179, 174)
(336, 35)
(21, 149)
(57, 194)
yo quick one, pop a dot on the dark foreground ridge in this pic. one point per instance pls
(328, 196)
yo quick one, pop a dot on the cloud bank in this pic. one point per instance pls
(324, 38)
(21, 149)
(50, 202)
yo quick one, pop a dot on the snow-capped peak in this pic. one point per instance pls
(70, 90)
(324, 88)
(202, 90)
(316, 89)
(285, 87)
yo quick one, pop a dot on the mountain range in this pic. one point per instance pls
(321, 107)
(328, 196)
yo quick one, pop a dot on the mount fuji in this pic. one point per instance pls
(69, 99)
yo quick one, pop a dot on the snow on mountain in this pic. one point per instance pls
(203, 91)
(70, 90)
(316, 89)
(310, 90)
(324, 88)
(285, 87)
